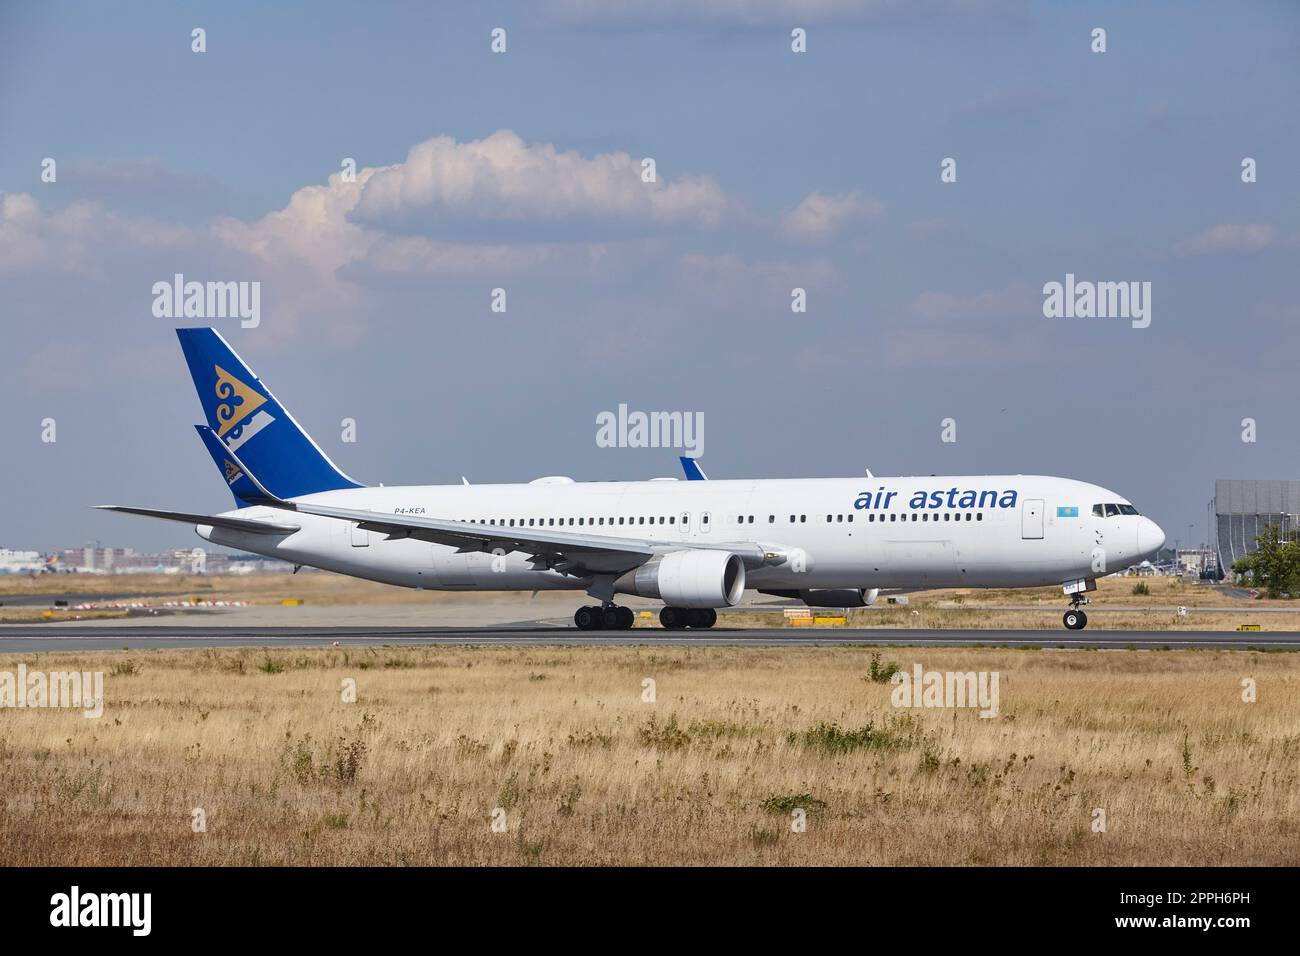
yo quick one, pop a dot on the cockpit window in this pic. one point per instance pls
(1109, 510)
(1127, 510)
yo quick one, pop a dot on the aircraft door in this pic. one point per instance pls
(1031, 518)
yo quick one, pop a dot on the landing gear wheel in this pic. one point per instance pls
(611, 618)
(587, 618)
(701, 617)
(1075, 620)
(673, 618)
(626, 618)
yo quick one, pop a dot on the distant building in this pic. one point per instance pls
(20, 562)
(91, 560)
(1197, 560)
(1244, 509)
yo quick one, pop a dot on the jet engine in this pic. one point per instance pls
(688, 579)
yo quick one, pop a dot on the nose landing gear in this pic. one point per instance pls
(1074, 618)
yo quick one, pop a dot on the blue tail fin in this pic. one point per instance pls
(241, 486)
(692, 468)
(246, 418)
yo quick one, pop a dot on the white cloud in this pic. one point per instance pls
(74, 240)
(819, 218)
(727, 281)
(317, 256)
(1015, 299)
(1247, 237)
(501, 179)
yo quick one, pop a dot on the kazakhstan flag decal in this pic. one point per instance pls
(1067, 511)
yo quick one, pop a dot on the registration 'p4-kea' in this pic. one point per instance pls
(695, 545)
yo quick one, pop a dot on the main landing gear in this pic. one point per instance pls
(611, 618)
(606, 618)
(676, 618)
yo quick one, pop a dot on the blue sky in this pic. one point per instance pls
(775, 169)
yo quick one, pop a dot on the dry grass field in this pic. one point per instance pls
(586, 772)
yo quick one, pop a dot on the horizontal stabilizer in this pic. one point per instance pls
(216, 521)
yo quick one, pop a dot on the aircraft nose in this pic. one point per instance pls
(1150, 537)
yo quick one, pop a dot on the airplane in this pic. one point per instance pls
(694, 545)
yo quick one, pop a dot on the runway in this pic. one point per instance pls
(28, 638)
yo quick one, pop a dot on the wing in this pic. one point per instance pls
(215, 521)
(565, 551)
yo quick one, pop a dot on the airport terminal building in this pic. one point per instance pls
(1244, 509)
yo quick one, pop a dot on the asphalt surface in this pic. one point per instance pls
(31, 638)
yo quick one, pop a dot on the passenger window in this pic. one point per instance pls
(771, 519)
(803, 519)
(979, 516)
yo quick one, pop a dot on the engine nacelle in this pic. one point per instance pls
(839, 597)
(689, 579)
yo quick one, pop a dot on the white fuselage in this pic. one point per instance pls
(975, 531)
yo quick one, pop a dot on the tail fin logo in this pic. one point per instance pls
(240, 415)
(233, 474)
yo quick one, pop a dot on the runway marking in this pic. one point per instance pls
(46, 638)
